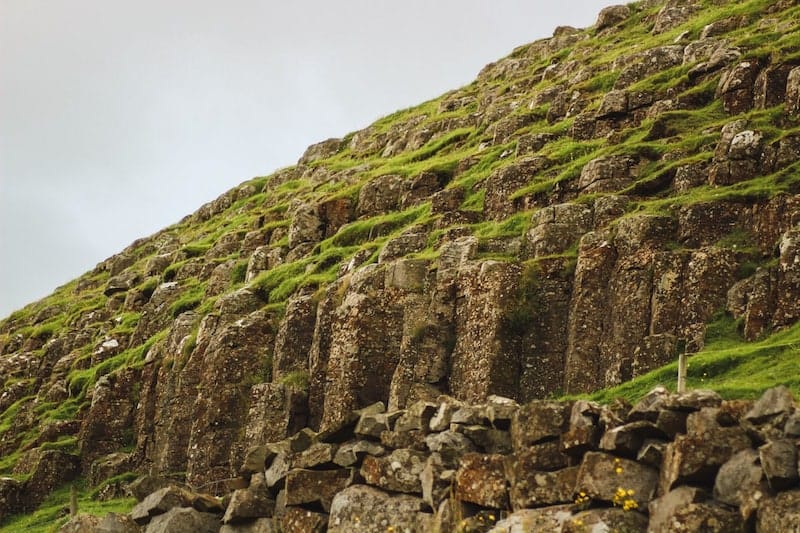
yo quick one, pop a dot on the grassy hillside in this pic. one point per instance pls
(54, 352)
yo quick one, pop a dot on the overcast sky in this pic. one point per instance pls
(117, 118)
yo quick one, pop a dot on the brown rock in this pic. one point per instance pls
(316, 486)
(626, 440)
(501, 184)
(488, 440)
(775, 403)
(117, 523)
(299, 520)
(450, 445)
(781, 513)
(611, 16)
(380, 195)
(643, 64)
(607, 174)
(11, 492)
(436, 481)
(736, 87)
(556, 228)
(480, 479)
(252, 502)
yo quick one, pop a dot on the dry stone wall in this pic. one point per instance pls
(672, 462)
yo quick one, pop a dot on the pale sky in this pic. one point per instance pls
(118, 118)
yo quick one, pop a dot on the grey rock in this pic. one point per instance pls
(779, 462)
(184, 520)
(362, 508)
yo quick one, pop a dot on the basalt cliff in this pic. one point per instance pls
(392, 323)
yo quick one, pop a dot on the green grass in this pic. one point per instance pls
(53, 512)
(729, 365)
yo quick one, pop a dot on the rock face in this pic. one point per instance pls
(388, 318)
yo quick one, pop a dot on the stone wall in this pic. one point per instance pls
(672, 462)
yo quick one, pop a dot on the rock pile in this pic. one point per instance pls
(672, 462)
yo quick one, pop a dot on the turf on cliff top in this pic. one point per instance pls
(590, 207)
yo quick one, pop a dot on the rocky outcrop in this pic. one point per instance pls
(574, 219)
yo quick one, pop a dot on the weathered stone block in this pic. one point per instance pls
(781, 513)
(157, 503)
(362, 508)
(696, 458)
(481, 480)
(184, 520)
(779, 462)
(601, 476)
(538, 421)
(397, 472)
(316, 486)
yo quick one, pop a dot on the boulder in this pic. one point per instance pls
(363, 508)
(696, 458)
(396, 472)
(184, 520)
(781, 513)
(380, 195)
(436, 480)
(775, 403)
(158, 503)
(736, 87)
(607, 174)
(353, 453)
(611, 16)
(740, 479)
(481, 480)
(663, 509)
(299, 520)
(779, 461)
(529, 487)
(620, 481)
(11, 498)
(252, 502)
(316, 486)
(539, 421)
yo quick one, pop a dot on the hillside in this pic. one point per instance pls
(588, 208)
